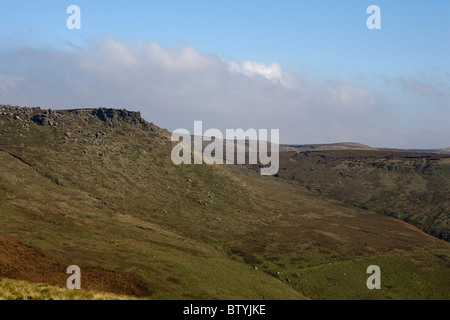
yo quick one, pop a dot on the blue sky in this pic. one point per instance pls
(404, 67)
(327, 35)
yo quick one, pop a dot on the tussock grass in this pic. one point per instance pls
(22, 290)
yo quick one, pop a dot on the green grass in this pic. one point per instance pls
(401, 279)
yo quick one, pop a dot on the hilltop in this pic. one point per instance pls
(97, 188)
(353, 146)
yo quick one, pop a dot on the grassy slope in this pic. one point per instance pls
(115, 200)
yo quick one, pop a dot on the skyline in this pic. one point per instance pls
(311, 69)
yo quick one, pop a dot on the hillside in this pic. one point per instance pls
(97, 188)
(413, 187)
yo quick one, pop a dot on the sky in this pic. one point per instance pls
(311, 69)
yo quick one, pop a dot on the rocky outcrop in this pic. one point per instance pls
(17, 113)
(111, 115)
(50, 117)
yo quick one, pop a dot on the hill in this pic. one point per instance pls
(97, 188)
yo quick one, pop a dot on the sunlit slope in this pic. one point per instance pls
(62, 200)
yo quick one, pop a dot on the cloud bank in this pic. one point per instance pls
(174, 87)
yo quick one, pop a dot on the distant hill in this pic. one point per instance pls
(440, 151)
(321, 147)
(353, 146)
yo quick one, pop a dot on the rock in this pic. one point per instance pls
(40, 120)
(110, 115)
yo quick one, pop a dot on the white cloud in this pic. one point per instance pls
(174, 87)
(419, 87)
(432, 85)
(8, 82)
(251, 68)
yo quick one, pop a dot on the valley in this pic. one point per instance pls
(97, 188)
